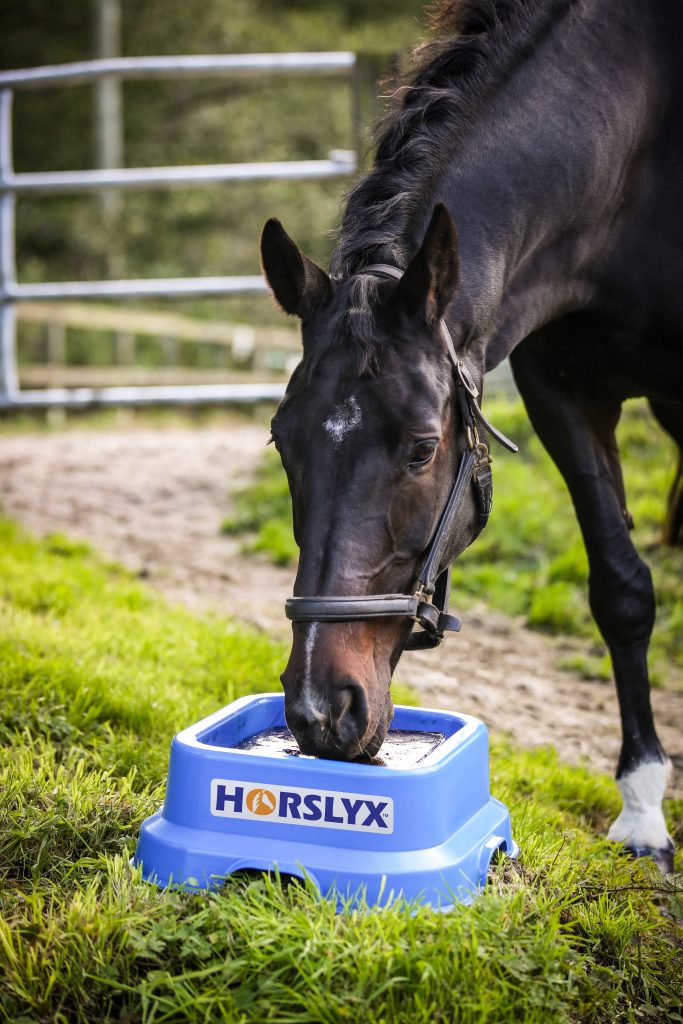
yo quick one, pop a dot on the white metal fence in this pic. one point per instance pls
(12, 185)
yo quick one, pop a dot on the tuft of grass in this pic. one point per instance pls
(61, 809)
(263, 513)
(47, 421)
(588, 665)
(89, 660)
(530, 560)
(99, 672)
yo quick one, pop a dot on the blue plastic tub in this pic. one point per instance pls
(422, 825)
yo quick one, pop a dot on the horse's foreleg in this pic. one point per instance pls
(576, 423)
(670, 417)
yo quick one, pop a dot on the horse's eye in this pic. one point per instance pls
(423, 452)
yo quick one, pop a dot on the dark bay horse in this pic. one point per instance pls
(551, 134)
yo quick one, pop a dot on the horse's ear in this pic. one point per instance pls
(429, 283)
(297, 283)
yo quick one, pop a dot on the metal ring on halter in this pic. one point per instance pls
(472, 436)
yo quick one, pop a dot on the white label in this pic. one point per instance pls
(291, 805)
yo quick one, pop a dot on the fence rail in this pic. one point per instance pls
(161, 325)
(340, 162)
(193, 176)
(218, 65)
(157, 394)
(140, 288)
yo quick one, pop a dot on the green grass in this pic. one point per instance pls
(530, 560)
(81, 640)
(55, 420)
(97, 673)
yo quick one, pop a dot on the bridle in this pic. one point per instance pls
(428, 605)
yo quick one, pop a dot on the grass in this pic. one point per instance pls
(530, 560)
(53, 420)
(97, 673)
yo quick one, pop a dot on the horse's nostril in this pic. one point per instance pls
(343, 705)
(300, 721)
(350, 714)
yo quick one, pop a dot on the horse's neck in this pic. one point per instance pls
(537, 187)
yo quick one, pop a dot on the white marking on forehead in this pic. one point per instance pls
(641, 822)
(347, 417)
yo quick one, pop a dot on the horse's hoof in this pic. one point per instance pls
(663, 857)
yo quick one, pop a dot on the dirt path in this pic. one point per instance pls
(154, 499)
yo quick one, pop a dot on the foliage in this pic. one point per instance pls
(99, 672)
(208, 231)
(530, 560)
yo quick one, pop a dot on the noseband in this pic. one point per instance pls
(428, 606)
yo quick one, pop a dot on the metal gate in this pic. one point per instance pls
(339, 163)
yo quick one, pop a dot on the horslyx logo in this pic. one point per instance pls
(291, 805)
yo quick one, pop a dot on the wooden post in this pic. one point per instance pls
(125, 348)
(56, 344)
(170, 350)
(108, 108)
(243, 346)
(109, 127)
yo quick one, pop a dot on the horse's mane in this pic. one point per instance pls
(476, 45)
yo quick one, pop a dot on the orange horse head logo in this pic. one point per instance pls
(261, 801)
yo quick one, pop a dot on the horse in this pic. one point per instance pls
(525, 200)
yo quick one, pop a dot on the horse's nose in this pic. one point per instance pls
(333, 726)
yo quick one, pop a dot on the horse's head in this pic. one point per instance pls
(370, 435)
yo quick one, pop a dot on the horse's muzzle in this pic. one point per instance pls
(339, 726)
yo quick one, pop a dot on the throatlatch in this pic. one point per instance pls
(428, 606)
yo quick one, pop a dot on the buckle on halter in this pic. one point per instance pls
(427, 615)
(473, 436)
(483, 462)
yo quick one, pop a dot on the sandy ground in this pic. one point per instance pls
(154, 499)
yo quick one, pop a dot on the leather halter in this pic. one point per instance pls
(428, 605)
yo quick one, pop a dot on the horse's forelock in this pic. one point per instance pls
(353, 327)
